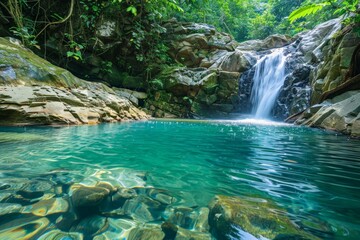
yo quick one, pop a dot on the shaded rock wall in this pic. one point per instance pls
(335, 85)
(33, 91)
(208, 84)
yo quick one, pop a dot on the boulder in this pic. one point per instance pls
(82, 196)
(342, 114)
(273, 41)
(33, 91)
(233, 217)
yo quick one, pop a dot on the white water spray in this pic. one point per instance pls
(268, 79)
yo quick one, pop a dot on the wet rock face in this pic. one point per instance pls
(195, 92)
(295, 95)
(335, 63)
(208, 86)
(341, 113)
(33, 91)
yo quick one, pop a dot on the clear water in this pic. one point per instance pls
(268, 79)
(313, 174)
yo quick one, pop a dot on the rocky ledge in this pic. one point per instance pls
(33, 91)
(341, 113)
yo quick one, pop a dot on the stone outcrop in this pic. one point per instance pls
(334, 57)
(208, 85)
(341, 113)
(251, 218)
(335, 85)
(33, 91)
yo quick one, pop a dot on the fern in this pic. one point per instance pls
(306, 10)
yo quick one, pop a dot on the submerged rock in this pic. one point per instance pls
(116, 229)
(231, 216)
(91, 226)
(183, 217)
(148, 231)
(47, 207)
(170, 230)
(59, 235)
(9, 208)
(184, 234)
(24, 228)
(82, 196)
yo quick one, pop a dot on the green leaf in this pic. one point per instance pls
(69, 54)
(132, 9)
(306, 10)
(95, 8)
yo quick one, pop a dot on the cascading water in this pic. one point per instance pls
(268, 79)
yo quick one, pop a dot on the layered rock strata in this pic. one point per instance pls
(33, 91)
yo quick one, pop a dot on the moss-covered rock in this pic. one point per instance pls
(232, 216)
(33, 91)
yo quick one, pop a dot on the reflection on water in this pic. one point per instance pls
(314, 175)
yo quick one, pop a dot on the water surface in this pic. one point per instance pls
(313, 174)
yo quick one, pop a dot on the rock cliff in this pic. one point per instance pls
(335, 84)
(216, 76)
(33, 91)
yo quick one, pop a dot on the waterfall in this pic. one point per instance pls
(267, 82)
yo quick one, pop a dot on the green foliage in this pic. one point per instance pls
(74, 48)
(106, 67)
(262, 25)
(244, 19)
(92, 10)
(323, 10)
(306, 10)
(24, 33)
(156, 84)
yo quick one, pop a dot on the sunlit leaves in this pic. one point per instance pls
(306, 10)
(132, 9)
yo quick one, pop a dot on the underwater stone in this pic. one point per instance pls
(4, 196)
(83, 196)
(157, 194)
(35, 189)
(116, 202)
(255, 216)
(148, 232)
(143, 208)
(48, 207)
(184, 217)
(202, 223)
(184, 234)
(90, 226)
(170, 230)
(117, 229)
(65, 221)
(107, 186)
(24, 228)
(8, 208)
(59, 235)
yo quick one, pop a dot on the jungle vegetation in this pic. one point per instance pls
(73, 23)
